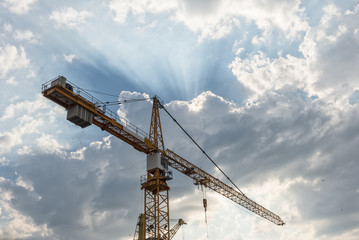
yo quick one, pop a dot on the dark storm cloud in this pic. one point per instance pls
(286, 136)
(70, 195)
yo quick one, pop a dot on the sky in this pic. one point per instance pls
(268, 88)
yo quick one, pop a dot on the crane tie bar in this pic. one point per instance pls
(202, 149)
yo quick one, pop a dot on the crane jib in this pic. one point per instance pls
(207, 180)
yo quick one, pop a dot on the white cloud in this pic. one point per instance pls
(18, 6)
(12, 58)
(25, 107)
(79, 154)
(25, 150)
(14, 137)
(11, 81)
(258, 40)
(201, 16)
(8, 141)
(216, 19)
(70, 18)
(259, 74)
(122, 8)
(20, 182)
(14, 223)
(14, 98)
(198, 103)
(26, 35)
(27, 117)
(328, 48)
(49, 144)
(326, 70)
(69, 57)
(330, 11)
(356, 34)
(123, 111)
(7, 27)
(332, 23)
(4, 162)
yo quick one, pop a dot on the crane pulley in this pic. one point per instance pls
(83, 109)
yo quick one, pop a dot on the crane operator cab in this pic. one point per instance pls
(157, 160)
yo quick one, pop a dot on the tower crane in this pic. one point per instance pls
(140, 230)
(176, 227)
(83, 109)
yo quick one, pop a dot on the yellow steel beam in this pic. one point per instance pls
(67, 98)
(207, 180)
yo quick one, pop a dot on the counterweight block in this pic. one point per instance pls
(79, 116)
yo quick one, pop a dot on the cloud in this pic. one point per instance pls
(323, 71)
(27, 118)
(14, 137)
(259, 145)
(23, 108)
(18, 6)
(69, 57)
(8, 141)
(259, 74)
(70, 18)
(7, 27)
(26, 35)
(11, 81)
(292, 146)
(216, 19)
(279, 150)
(122, 9)
(49, 144)
(25, 150)
(12, 58)
(17, 225)
(89, 198)
(328, 48)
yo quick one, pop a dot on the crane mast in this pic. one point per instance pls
(156, 188)
(82, 109)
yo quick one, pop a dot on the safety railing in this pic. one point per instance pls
(84, 94)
